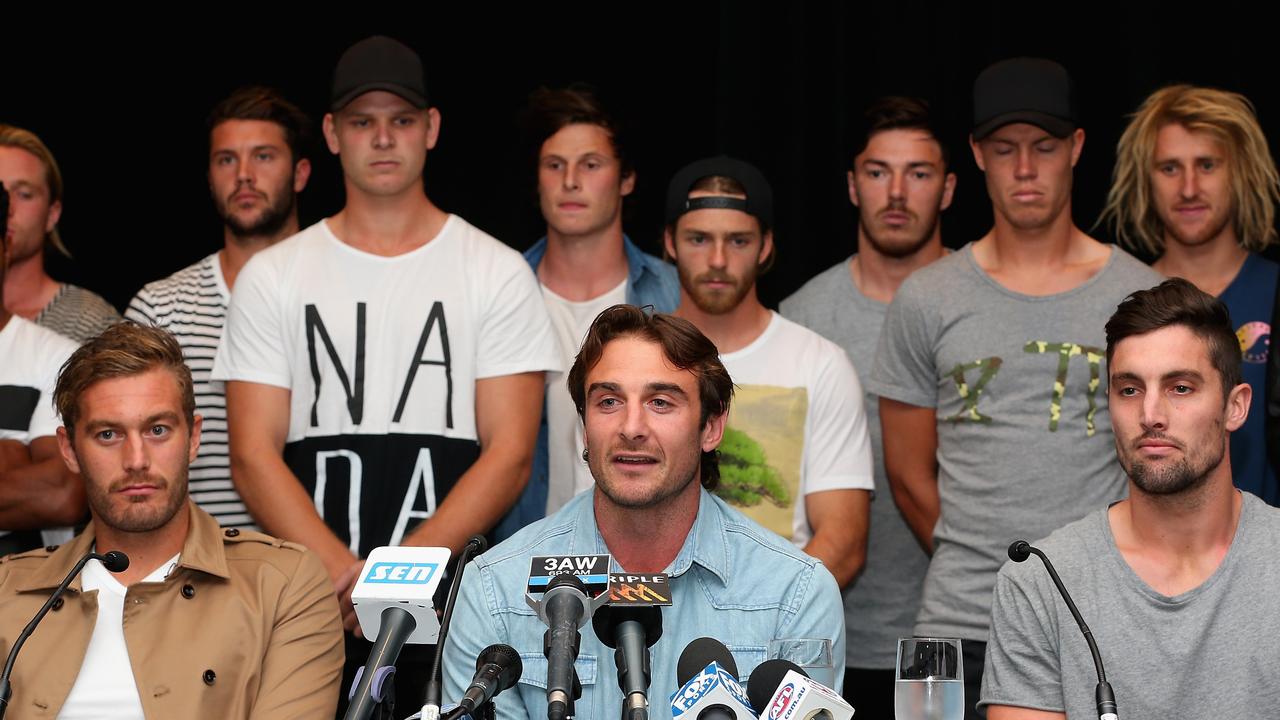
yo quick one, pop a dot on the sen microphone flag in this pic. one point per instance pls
(403, 577)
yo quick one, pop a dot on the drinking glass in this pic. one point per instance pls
(930, 680)
(813, 655)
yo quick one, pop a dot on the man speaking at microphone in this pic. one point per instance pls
(653, 396)
(204, 622)
(1179, 582)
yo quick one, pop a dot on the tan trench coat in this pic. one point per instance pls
(246, 626)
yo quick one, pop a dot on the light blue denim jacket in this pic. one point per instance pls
(732, 580)
(650, 281)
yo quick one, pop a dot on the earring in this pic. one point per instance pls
(585, 456)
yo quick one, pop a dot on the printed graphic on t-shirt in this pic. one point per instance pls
(1255, 339)
(17, 406)
(762, 454)
(372, 489)
(987, 369)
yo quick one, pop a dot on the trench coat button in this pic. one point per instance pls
(232, 532)
(188, 591)
(57, 605)
(50, 548)
(209, 677)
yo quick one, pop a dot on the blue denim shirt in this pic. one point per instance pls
(650, 281)
(732, 580)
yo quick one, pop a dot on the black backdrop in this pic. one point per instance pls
(121, 99)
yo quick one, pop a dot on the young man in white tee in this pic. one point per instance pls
(796, 455)
(585, 263)
(256, 169)
(385, 366)
(38, 494)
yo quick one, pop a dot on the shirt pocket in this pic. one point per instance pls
(747, 657)
(533, 682)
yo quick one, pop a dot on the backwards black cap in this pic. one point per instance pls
(759, 201)
(378, 63)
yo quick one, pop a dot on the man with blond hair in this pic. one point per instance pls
(31, 175)
(1196, 186)
(202, 622)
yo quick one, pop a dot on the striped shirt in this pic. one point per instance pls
(77, 313)
(192, 304)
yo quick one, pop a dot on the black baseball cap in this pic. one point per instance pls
(759, 201)
(378, 63)
(1029, 90)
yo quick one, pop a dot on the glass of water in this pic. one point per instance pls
(930, 680)
(813, 655)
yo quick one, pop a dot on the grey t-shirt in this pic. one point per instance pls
(1206, 653)
(880, 606)
(1024, 439)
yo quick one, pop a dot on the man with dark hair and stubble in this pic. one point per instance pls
(1195, 185)
(900, 183)
(585, 263)
(203, 621)
(1178, 582)
(34, 181)
(385, 366)
(653, 397)
(796, 451)
(257, 166)
(989, 365)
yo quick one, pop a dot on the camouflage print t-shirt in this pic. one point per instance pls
(1024, 438)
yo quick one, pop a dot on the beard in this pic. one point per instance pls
(717, 302)
(898, 248)
(134, 514)
(277, 212)
(1183, 475)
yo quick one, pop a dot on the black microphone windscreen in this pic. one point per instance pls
(701, 653)
(766, 678)
(115, 561)
(505, 657)
(607, 619)
(567, 579)
(1020, 550)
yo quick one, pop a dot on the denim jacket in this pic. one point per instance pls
(732, 580)
(650, 281)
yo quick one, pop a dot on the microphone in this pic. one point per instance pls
(785, 692)
(497, 669)
(433, 695)
(701, 652)
(710, 691)
(631, 630)
(766, 679)
(565, 607)
(393, 602)
(1019, 551)
(114, 561)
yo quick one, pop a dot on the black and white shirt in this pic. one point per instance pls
(192, 304)
(381, 356)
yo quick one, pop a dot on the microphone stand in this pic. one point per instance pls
(1019, 551)
(434, 694)
(118, 562)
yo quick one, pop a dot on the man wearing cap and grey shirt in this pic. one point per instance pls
(796, 456)
(989, 364)
(384, 366)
